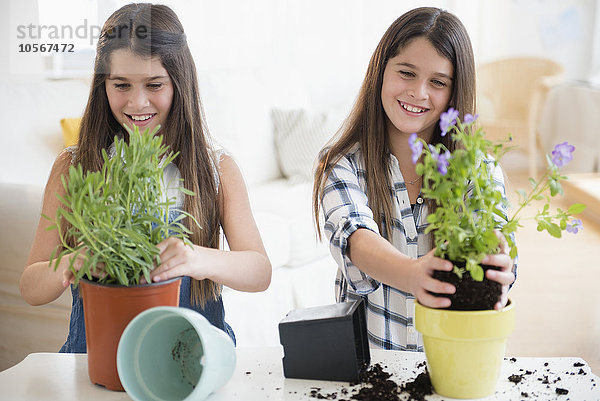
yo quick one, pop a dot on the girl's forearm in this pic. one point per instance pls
(40, 284)
(248, 271)
(376, 257)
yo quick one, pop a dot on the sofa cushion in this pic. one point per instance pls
(255, 316)
(24, 328)
(292, 202)
(70, 130)
(238, 102)
(239, 121)
(275, 235)
(299, 136)
(33, 138)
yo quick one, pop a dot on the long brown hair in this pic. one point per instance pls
(366, 124)
(150, 30)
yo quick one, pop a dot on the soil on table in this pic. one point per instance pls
(470, 294)
(375, 384)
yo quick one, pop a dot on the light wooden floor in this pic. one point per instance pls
(557, 293)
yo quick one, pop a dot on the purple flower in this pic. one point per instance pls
(440, 159)
(562, 154)
(574, 225)
(442, 163)
(416, 146)
(447, 119)
(469, 118)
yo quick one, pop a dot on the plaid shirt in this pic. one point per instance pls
(390, 312)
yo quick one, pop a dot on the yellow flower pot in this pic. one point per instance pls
(464, 349)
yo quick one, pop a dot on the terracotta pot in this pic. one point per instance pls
(108, 309)
(464, 349)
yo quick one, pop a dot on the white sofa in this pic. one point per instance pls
(303, 271)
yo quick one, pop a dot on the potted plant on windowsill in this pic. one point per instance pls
(113, 219)
(465, 345)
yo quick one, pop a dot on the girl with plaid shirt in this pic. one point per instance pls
(368, 190)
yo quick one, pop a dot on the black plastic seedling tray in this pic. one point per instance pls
(325, 342)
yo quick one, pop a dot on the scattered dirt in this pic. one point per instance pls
(548, 378)
(418, 388)
(515, 378)
(315, 393)
(379, 386)
(375, 384)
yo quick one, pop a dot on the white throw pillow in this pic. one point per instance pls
(292, 203)
(299, 136)
(242, 127)
(276, 237)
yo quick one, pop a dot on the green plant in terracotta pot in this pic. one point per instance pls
(465, 345)
(113, 219)
(113, 216)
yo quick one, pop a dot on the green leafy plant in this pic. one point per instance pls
(470, 205)
(117, 216)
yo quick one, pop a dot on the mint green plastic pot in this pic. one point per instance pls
(170, 353)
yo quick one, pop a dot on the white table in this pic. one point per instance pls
(259, 376)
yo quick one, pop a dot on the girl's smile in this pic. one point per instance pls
(141, 120)
(412, 109)
(139, 90)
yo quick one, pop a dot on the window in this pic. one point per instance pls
(595, 70)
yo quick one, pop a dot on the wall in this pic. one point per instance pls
(560, 30)
(328, 43)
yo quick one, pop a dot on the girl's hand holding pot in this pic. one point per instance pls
(69, 276)
(505, 276)
(423, 284)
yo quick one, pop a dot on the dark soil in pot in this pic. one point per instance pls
(470, 294)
